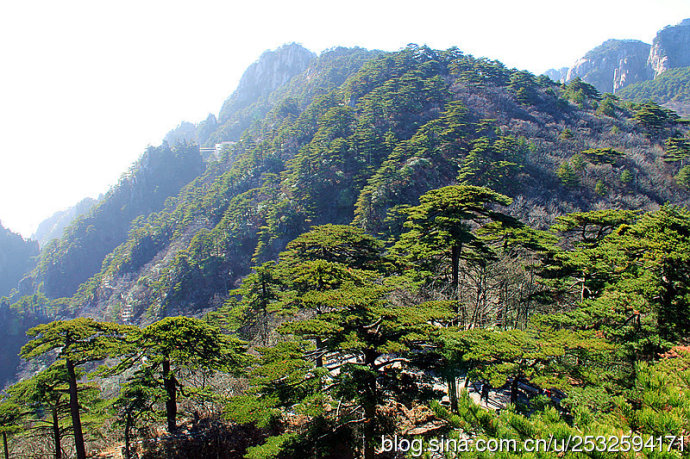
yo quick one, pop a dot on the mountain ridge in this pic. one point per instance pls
(357, 136)
(616, 63)
(53, 226)
(237, 230)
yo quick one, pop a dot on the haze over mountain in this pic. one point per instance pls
(198, 244)
(617, 64)
(53, 227)
(374, 225)
(17, 257)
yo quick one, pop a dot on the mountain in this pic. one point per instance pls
(612, 65)
(559, 75)
(53, 226)
(158, 175)
(399, 124)
(16, 259)
(354, 137)
(671, 89)
(670, 48)
(265, 83)
(616, 64)
(273, 69)
(385, 224)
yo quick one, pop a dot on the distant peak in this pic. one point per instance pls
(286, 49)
(273, 69)
(614, 45)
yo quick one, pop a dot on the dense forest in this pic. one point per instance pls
(671, 87)
(391, 237)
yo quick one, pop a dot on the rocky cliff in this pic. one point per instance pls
(612, 65)
(671, 48)
(272, 70)
(557, 74)
(616, 64)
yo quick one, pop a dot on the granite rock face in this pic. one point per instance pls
(616, 64)
(272, 70)
(671, 48)
(612, 65)
(557, 74)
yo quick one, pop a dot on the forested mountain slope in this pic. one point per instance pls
(53, 226)
(671, 89)
(639, 72)
(17, 259)
(403, 124)
(386, 225)
(160, 173)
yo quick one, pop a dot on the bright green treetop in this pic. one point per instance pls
(177, 343)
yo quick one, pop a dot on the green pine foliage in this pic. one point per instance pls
(683, 177)
(671, 85)
(654, 118)
(567, 175)
(373, 241)
(346, 333)
(677, 150)
(602, 155)
(581, 93)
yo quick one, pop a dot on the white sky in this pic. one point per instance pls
(85, 86)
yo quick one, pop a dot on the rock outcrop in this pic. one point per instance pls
(616, 64)
(613, 65)
(671, 48)
(557, 74)
(272, 70)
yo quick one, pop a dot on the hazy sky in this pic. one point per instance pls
(85, 86)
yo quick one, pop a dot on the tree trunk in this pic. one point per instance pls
(128, 427)
(455, 281)
(369, 402)
(74, 410)
(514, 389)
(369, 430)
(583, 290)
(56, 434)
(171, 401)
(455, 262)
(4, 444)
(452, 393)
(319, 356)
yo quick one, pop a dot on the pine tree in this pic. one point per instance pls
(683, 177)
(177, 343)
(677, 149)
(441, 228)
(10, 422)
(77, 342)
(363, 337)
(568, 177)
